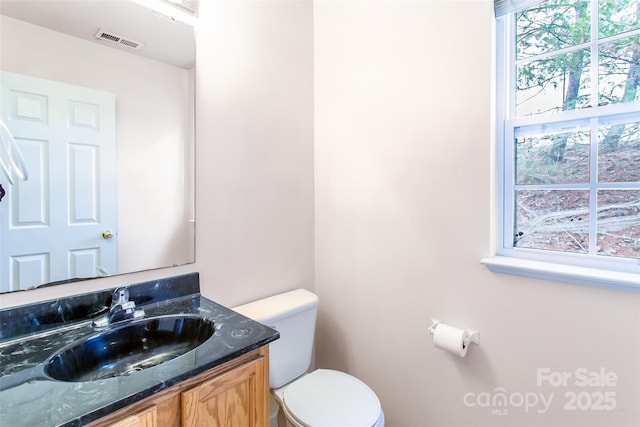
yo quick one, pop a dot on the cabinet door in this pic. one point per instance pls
(145, 418)
(235, 398)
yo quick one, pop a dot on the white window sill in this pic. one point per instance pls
(564, 273)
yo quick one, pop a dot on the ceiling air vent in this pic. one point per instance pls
(114, 38)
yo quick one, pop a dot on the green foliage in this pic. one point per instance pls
(552, 25)
(562, 24)
(618, 16)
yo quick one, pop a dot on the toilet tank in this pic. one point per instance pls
(293, 314)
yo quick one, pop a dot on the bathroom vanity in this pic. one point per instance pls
(233, 394)
(55, 368)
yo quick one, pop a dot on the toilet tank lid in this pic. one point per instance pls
(278, 306)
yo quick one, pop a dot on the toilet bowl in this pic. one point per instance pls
(328, 398)
(321, 398)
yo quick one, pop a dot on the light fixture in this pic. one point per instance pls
(177, 12)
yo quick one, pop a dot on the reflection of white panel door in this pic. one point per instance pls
(51, 226)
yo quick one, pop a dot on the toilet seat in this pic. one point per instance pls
(328, 398)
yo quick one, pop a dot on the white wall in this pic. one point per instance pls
(403, 159)
(153, 117)
(254, 154)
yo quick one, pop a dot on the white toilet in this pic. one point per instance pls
(322, 398)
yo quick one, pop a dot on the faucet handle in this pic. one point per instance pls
(120, 296)
(121, 309)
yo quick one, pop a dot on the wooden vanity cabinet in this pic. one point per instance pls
(233, 394)
(145, 418)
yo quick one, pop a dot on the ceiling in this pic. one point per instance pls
(164, 39)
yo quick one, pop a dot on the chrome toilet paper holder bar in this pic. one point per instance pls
(473, 336)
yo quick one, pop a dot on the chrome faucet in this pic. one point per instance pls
(121, 309)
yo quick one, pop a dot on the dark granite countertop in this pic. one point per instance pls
(29, 335)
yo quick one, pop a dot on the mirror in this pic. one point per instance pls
(99, 96)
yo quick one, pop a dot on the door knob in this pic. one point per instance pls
(107, 234)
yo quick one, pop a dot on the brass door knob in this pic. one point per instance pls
(107, 234)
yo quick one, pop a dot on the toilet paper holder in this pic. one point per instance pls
(473, 336)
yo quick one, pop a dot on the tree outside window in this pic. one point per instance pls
(572, 129)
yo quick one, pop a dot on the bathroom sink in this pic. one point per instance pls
(126, 349)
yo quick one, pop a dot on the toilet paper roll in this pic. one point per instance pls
(451, 339)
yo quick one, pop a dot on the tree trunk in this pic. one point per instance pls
(575, 67)
(612, 138)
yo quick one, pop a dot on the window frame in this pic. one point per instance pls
(593, 270)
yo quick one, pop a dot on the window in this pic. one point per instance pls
(569, 141)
